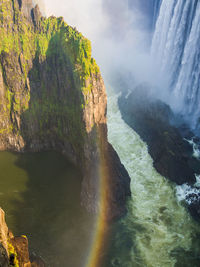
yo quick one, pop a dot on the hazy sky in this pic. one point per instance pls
(83, 14)
(115, 29)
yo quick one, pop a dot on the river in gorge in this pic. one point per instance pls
(158, 230)
(40, 194)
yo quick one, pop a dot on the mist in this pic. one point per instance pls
(120, 32)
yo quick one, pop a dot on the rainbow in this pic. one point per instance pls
(101, 229)
(102, 222)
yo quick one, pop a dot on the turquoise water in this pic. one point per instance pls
(40, 194)
(157, 230)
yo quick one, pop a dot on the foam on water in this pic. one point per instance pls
(195, 146)
(187, 193)
(156, 222)
(197, 184)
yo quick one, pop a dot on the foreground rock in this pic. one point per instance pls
(14, 250)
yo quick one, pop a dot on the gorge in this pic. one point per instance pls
(83, 194)
(53, 98)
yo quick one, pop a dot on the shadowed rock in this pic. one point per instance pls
(53, 95)
(153, 121)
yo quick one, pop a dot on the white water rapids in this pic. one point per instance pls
(160, 230)
(156, 221)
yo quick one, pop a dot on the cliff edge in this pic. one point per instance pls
(52, 97)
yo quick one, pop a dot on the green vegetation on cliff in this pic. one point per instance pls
(21, 37)
(47, 72)
(13, 254)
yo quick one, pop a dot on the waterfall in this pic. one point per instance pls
(156, 9)
(158, 230)
(176, 51)
(149, 8)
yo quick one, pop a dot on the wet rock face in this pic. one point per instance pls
(118, 179)
(152, 120)
(166, 137)
(106, 167)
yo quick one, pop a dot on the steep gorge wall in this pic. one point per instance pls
(52, 96)
(46, 74)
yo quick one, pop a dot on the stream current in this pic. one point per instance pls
(158, 230)
(40, 194)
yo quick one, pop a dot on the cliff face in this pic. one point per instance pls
(152, 120)
(50, 85)
(52, 95)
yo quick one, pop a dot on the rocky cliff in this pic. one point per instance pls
(167, 137)
(154, 121)
(14, 250)
(52, 97)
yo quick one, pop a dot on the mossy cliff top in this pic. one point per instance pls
(19, 35)
(48, 80)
